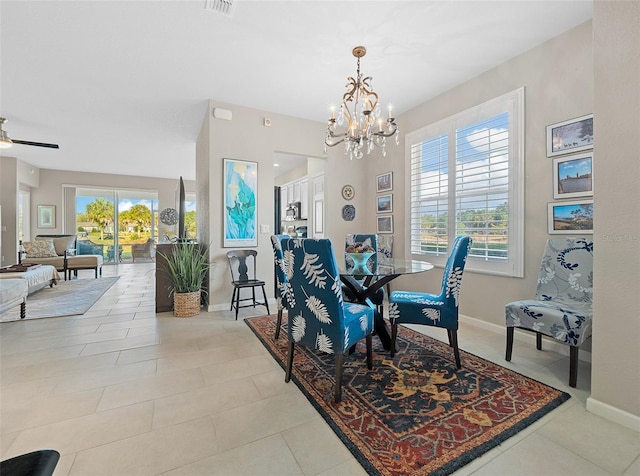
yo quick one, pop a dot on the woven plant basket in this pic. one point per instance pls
(186, 304)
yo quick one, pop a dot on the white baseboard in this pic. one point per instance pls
(524, 336)
(613, 414)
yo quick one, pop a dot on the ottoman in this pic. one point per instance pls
(12, 293)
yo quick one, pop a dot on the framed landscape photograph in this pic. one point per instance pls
(385, 224)
(574, 135)
(384, 203)
(384, 182)
(575, 218)
(573, 176)
(46, 216)
(240, 190)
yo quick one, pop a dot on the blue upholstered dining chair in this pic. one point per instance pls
(438, 310)
(281, 279)
(369, 240)
(562, 308)
(318, 316)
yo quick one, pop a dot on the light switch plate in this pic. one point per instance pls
(264, 229)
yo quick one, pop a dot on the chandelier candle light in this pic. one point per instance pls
(360, 114)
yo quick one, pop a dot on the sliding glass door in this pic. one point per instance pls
(114, 223)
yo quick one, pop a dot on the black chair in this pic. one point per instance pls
(37, 463)
(240, 279)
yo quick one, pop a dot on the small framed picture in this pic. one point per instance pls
(384, 182)
(385, 224)
(573, 218)
(46, 216)
(384, 203)
(574, 135)
(573, 176)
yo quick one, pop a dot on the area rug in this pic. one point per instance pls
(416, 413)
(67, 298)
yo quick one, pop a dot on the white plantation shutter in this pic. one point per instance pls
(465, 178)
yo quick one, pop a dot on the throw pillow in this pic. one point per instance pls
(40, 248)
(64, 243)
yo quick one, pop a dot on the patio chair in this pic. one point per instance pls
(142, 251)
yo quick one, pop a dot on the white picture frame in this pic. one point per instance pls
(384, 203)
(384, 224)
(573, 176)
(574, 135)
(570, 218)
(384, 182)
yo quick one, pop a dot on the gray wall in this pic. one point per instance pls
(558, 77)
(615, 374)
(246, 138)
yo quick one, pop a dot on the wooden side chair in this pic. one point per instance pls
(242, 264)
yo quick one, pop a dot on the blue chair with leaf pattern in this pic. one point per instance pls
(438, 310)
(281, 279)
(562, 308)
(318, 316)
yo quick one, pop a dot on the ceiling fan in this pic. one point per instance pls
(6, 142)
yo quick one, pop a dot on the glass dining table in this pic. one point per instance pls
(365, 281)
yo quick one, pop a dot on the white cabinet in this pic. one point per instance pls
(304, 198)
(297, 191)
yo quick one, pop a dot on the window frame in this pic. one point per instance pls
(513, 103)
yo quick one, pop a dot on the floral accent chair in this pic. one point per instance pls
(370, 241)
(318, 316)
(281, 279)
(437, 310)
(562, 308)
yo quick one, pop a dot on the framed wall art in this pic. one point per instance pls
(240, 190)
(46, 216)
(573, 176)
(384, 203)
(574, 135)
(384, 182)
(575, 218)
(384, 224)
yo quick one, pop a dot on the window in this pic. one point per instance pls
(466, 177)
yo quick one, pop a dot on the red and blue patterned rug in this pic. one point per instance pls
(416, 413)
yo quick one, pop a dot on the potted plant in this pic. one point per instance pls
(187, 267)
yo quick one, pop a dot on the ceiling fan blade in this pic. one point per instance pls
(36, 144)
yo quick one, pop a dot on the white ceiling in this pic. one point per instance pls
(122, 86)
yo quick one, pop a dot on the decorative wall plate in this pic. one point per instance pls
(348, 192)
(169, 216)
(348, 212)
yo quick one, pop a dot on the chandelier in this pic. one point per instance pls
(359, 119)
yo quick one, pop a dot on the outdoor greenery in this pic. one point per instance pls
(134, 224)
(487, 227)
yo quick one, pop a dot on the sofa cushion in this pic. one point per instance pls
(64, 243)
(40, 248)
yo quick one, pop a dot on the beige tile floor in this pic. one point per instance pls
(123, 391)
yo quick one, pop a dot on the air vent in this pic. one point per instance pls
(223, 7)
